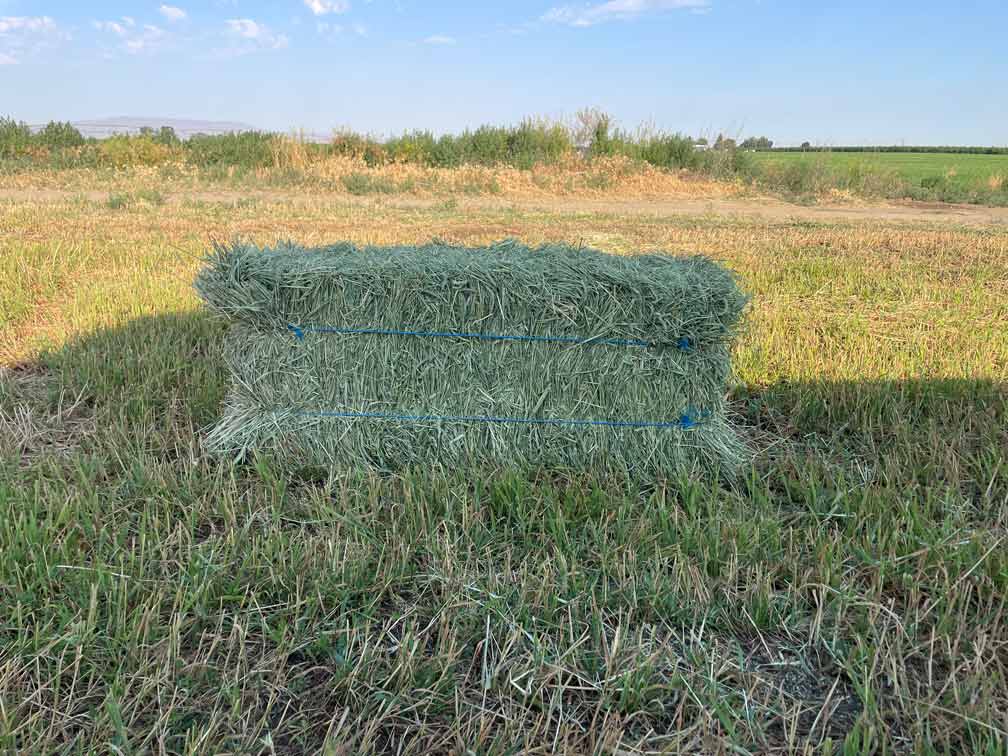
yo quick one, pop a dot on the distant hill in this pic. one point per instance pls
(184, 127)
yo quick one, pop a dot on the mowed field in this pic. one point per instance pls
(846, 595)
(926, 170)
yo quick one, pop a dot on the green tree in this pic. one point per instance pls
(756, 143)
(58, 135)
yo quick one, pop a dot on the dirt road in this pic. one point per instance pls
(746, 207)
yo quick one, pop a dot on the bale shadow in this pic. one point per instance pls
(153, 382)
(160, 381)
(927, 432)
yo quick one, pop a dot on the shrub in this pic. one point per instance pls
(58, 135)
(532, 143)
(351, 144)
(727, 163)
(149, 196)
(15, 138)
(875, 181)
(414, 147)
(248, 149)
(476, 184)
(669, 151)
(522, 146)
(123, 151)
(445, 152)
(602, 144)
(363, 183)
(657, 148)
(166, 135)
(118, 201)
(756, 143)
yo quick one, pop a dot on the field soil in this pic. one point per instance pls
(756, 207)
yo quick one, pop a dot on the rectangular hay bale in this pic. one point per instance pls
(503, 356)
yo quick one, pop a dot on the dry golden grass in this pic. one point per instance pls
(602, 178)
(907, 282)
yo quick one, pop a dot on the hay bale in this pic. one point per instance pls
(392, 357)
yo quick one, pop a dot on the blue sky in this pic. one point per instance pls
(829, 72)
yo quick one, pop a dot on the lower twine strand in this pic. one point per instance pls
(299, 332)
(686, 421)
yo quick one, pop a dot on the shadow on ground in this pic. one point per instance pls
(158, 381)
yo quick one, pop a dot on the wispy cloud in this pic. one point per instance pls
(115, 27)
(617, 10)
(173, 13)
(248, 36)
(322, 7)
(360, 30)
(10, 24)
(439, 39)
(149, 38)
(133, 39)
(21, 36)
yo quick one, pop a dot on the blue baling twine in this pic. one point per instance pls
(687, 421)
(299, 332)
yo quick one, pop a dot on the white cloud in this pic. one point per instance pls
(22, 36)
(245, 27)
(324, 27)
(616, 10)
(148, 39)
(113, 27)
(133, 40)
(360, 30)
(172, 13)
(439, 39)
(10, 24)
(248, 36)
(322, 7)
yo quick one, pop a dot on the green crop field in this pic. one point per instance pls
(847, 594)
(966, 172)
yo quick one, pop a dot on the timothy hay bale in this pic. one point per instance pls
(507, 356)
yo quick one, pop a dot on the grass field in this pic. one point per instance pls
(847, 595)
(956, 174)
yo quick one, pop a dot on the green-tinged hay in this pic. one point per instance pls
(636, 385)
(554, 290)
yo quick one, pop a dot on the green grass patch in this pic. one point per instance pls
(365, 183)
(949, 177)
(845, 596)
(122, 200)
